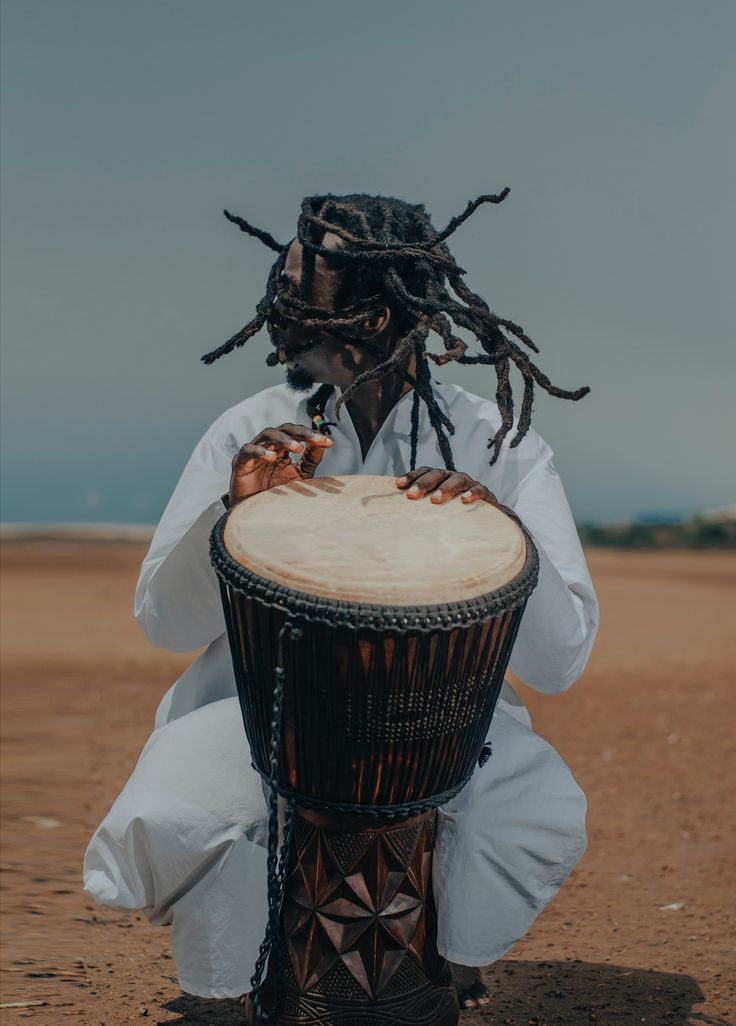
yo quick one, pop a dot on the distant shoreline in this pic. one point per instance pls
(77, 532)
(699, 534)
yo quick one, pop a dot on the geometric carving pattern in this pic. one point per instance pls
(404, 841)
(360, 926)
(347, 848)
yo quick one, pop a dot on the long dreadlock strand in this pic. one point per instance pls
(258, 233)
(414, 436)
(421, 391)
(403, 349)
(253, 327)
(474, 300)
(525, 417)
(455, 348)
(472, 206)
(466, 294)
(423, 384)
(317, 402)
(505, 402)
(543, 381)
(399, 291)
(426, 393)
(424, 380)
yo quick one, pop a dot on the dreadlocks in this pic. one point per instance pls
(390, 249)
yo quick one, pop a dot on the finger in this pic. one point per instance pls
(426, 483)
(249, 456)
(476, 491)
(410, 477)
(450, 487)
(281, 441)
(312, 459)
(305, 434)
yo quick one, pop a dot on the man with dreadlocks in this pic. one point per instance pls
(349, 307)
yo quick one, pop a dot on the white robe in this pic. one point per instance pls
(185, 840)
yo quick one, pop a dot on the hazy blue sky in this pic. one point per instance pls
(128, 126)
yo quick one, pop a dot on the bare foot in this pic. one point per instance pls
(250, 1015)
(471, 990)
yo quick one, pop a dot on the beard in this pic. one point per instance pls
(299, 380)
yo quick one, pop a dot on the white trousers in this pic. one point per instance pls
(186, 843)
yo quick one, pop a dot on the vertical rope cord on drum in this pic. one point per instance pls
(277, 861)
(414, 438)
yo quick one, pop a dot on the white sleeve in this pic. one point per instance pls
(177, 599)
(561, 618)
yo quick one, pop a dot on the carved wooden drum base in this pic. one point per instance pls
(360, 926)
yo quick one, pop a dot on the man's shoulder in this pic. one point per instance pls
(470, 413)
(463, 402)
(468, 408)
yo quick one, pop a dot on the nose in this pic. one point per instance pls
(289, 336)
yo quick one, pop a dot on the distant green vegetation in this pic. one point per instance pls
(691, 534)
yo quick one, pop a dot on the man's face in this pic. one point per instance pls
(333, 360)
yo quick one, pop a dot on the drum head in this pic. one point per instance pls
(359, 539)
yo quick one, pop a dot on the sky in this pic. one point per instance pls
(128, 127)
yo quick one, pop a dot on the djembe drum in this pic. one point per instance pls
(370, 636)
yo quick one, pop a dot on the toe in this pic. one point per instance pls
(475, 996)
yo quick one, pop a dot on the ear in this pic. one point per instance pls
(377, 322)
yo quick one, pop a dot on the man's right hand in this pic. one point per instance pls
(264, 462)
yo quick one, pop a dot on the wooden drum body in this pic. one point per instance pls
(370, 635)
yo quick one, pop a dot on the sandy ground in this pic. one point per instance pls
(640, 934)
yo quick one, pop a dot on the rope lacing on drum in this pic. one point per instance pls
(277, 862)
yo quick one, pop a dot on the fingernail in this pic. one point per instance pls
(296, 446)
(400, 480)
(435, 496)
(466, 495)
(413, 490)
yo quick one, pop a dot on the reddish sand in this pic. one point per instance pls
(640, 933)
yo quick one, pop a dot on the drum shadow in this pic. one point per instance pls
(550, 993)
(311, 488)
(374, 498)
(578, 993)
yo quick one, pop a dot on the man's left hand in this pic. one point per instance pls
(443, 485)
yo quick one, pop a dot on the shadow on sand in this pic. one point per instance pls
(540, 994)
